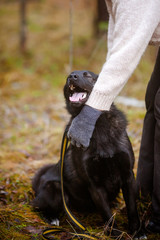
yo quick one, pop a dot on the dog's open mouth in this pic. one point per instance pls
(77, 94)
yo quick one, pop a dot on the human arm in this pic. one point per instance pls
(131, 26)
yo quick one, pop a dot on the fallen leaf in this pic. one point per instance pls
(31, 229)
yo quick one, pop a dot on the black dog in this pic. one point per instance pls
(92, 177)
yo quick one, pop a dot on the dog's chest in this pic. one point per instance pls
(95, 169)
(103, 170)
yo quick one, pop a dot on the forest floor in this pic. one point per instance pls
(32, 124)
(33, 115)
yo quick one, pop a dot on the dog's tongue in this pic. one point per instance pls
(77, 96)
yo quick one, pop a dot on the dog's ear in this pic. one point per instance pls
(51, 184)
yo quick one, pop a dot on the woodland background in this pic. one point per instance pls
(37, 52)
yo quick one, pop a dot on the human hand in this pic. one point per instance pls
(82, 126)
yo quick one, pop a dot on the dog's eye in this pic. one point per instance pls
(86, 74)
(48, 185)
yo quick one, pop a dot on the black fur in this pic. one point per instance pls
(92, 177)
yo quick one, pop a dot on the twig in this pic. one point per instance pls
(71, 36)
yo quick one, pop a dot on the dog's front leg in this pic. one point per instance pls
(100, 199)
(128, 189)
(129, 192)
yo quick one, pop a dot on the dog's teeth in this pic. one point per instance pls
(84, 95)
(72, 87)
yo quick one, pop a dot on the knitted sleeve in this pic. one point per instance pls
(133, 24)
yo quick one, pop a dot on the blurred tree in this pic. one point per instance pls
(23, 25)
(101, 18)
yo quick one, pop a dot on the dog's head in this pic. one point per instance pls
(47, 187)
(77, 89)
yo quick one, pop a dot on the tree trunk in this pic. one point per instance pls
(23, 26)
(101, 18)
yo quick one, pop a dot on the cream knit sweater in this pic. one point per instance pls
(133, 24)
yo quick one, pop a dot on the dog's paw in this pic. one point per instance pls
(153, 227)
(140, 236)
(55, 222)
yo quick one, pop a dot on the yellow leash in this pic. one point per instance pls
(77, 223)
(70, 215)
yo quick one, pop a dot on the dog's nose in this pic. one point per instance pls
(73, 76)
